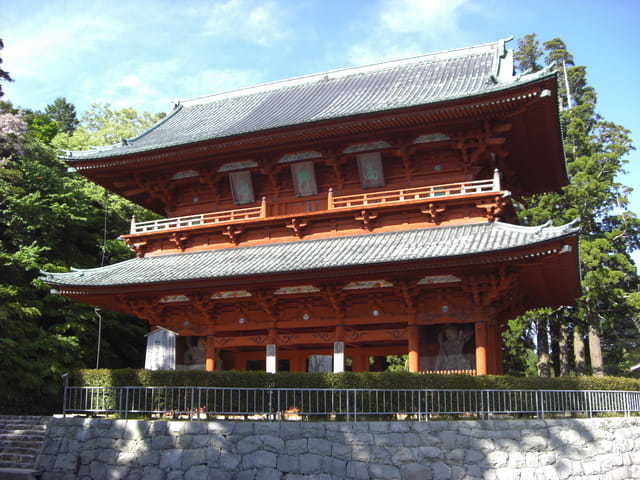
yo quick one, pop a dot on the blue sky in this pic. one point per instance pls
(147, 53)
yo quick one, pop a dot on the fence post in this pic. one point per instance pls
(65, 387)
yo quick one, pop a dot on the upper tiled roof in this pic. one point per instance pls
(315, 255)
(336, 94)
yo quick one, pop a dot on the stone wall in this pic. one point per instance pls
(501, 449)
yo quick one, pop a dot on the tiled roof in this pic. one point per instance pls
(315, 255)
(336, 94)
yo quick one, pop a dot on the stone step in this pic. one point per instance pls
(21, 440)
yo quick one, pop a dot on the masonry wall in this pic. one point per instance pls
(506, 449)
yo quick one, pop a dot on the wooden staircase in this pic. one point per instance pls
(21, 440)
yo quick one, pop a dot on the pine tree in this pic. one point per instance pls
(595, 151)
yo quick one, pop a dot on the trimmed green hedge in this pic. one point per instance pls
(382, 380)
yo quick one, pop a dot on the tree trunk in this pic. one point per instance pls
(579, 351)
(554, 334)
(595, 350)
(563, 349)
(543, 347)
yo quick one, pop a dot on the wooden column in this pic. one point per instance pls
(210, 364)
(338, 350)
(414, 344)
(481, 347)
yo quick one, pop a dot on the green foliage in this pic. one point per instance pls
(596, 151)
(51, 220)
(101, 125)
(4, 75)
(528, 55)
(345, 380)
(64, 113)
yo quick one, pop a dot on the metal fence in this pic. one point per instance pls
(199, 403)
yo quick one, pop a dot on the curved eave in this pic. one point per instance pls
(545, 145)
(478, 247)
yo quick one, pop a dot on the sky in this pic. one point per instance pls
(146, 54)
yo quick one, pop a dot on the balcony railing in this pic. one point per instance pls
(430, 192)
(212, 218)
(387, 197)
(343, 404)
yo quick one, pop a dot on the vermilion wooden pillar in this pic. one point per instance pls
(414, 344)
(481, 347)
(210, 364)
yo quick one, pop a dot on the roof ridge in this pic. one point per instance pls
(497, 46)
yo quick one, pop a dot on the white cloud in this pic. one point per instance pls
(258, 22)
(403, 28)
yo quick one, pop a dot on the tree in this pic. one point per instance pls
(595, 151)
(528, 54)
(64, 113)
(51, 220)
(101, 125)
(4, 75)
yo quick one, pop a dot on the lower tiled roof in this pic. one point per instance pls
(315, 255)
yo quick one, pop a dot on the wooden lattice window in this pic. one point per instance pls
(370, 168)
(304, 179)
(242, 187)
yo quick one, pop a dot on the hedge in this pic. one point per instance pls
(381, 380)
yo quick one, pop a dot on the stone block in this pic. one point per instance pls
(506, 473)
(415, 471)
(153, 473)
(219, 428)
(195, 428)
(357, 470)
(268, 474)
(474, 457)
(196, 472)
(310, 463)
(497, 459)
(259, 459)
(163, 442)
(449, 439)
(399, 427)
(319, 446)
(152, 457)
(296, 446)
(388, 440)
(411, 439)
(221, 443)
(534, 442)
(249, 444)
(386, 471)
(289, 430)
(427, 453)
(335, 467)
(194, 457)
(267, 428)
(341, 451)
(171, 459)
(242, 429)
(378, 428)
(175, 475)
(217, 474)
(288, 463)
(126, 458)
(157, 428)
(441, 470)
(361, 453)
(245, 475)
(313, 429)
(135, 430)
(229, 461)
(403, 455)
(272, 443)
